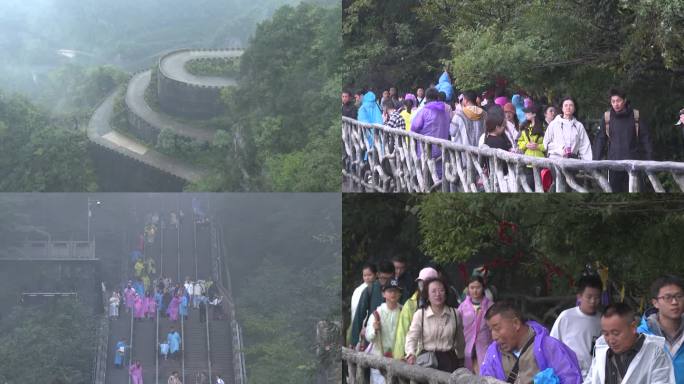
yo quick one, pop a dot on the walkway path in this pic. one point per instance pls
(101, 133)
(135, 101)
(173, 66)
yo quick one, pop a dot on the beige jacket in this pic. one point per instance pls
(437, 332)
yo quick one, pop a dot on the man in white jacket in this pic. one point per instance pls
(624, 356)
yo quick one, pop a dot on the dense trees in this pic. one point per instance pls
(52, 343)
(285, 104)
(636, 237)
(285, 265)
(40, 154)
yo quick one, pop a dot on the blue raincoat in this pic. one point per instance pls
(369, 113)
(119, 353)
(677, 358)
(444, 85)
(519, 105)
(183, 308)
(174, 340)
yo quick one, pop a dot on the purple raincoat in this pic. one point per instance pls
(548, 352)
(172, 311)
(432, 120)
(475, 330)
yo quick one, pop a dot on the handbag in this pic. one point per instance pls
(427, 359)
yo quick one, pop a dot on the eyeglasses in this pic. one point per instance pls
(668, 298)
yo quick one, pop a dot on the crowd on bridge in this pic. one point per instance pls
(519, 124)
(430, 323)
(151, 295)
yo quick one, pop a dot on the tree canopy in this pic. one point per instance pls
(52, 343)
(530, 237)
(285, 104)
(41, 154)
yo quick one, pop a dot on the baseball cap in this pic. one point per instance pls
(427, 273)
(391, 283)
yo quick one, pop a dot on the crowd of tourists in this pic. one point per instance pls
(426, 321)
(519, 124)
(150, 295)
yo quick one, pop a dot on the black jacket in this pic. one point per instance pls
(349, 110)
(623, 143)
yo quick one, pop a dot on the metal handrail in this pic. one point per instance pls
(130, 354)
(206, 316)
(182, 348)
(156, 349)
(229, 307)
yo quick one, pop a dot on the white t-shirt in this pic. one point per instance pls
(356, 296)
(579, 332)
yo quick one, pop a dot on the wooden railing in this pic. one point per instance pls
(390, 163)
(398, 372)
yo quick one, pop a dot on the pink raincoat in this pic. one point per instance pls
(136, 374)
(139, 308)
(129, 294)
(150, 307)
(477, 334)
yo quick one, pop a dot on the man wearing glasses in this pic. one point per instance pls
(666, 320)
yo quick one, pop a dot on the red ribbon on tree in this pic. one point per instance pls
(506, 231)
(463, 272)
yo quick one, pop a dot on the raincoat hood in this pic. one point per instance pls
(436, 106)
(473, 112)
(369, 97)
(548, 352)
(444, 85)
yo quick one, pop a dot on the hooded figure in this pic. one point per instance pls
(172, 310)
(369, 113)
(432, 120)
(129, 294)
(519, 105)
(467, 126)
(183, 306)
(174, 340)
(119, 353)
(477, 334)
(649, 325)
(548, 352)
(444, 85)
(150, 306)
(136, 373)
(139, 307)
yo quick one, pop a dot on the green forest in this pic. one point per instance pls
(59, 336)
(286, 282)
(547, 48)
(282, 108)
(525, 239)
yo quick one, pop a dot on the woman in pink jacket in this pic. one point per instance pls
(477, 334)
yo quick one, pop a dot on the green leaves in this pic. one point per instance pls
(48, 344)
(36, 155)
